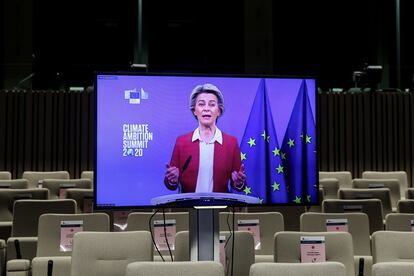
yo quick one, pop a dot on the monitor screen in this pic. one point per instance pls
(184, 140)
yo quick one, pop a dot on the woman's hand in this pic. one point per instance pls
(171, 174)
(239, 177)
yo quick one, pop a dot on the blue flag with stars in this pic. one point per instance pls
(299, 151)
(260, 153)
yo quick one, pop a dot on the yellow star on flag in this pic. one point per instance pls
(252, 142)
(279, 169)
(308, 139)
(291, 143)
(247, 190)
(275, 186)
(243, 156)
(297, 200)
(276, 151)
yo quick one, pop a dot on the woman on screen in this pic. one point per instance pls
(207, 159)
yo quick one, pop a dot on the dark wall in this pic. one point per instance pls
(71, 39)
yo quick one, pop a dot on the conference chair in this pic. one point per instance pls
(392, 184)
(14, 184)
(109, 253)
(302, 269)
(7, 199)
(291, 214)
(204, 268)
(405, 206)
(58, 187)
(243, 251)
(401, 176)
(393, 269)
(87, 175)
(35, 178)
(382, 194)
(49, 247)
(5, 175)
(26, 213)
(83, 197)
(330, 187)
(357, 225)
(344, 177)
(399, 222)
(138, 221)
(268, 223)
(371, 207)
(392, 246)
(338, 248)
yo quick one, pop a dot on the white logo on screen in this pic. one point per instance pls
(134, 96)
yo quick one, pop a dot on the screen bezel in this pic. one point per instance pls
(184, 205)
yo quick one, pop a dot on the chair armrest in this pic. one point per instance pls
(18, 267)
(61, 265)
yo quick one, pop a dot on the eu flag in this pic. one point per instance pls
(299, 151)
(260, 153)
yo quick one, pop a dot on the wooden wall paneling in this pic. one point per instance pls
(330, 143)
(349, 132)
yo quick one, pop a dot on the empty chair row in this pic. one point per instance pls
(34, 178)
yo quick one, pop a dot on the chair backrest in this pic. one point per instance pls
(109, 253)
(14, 184)
(400, 175)
(392, 184)
(26, 213)
(269, 224)
(204, 268)
(50, 230)
(58, 187)
(371, 207)
(34, 176)
(291, 214)
(405, 206)
(303, 269)
(392, 246)
(399, 222)
(9, 196)
(243, 251)
(83, 198)
(88, 175)
(338, 248)
(330, 187)
(5, 175)
(393, 268)
(382, 194)
(357, 224)
(344, 177)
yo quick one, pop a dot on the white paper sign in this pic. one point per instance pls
(252, 226)
(336, 225)
(312, 249)
(67, 230)
(120, 220)
(159, 233)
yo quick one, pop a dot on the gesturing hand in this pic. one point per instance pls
(239, 177)
(171, 174)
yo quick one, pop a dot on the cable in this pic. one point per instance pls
(152, 234)
(227, 241)
(165, 235)
(232, 245)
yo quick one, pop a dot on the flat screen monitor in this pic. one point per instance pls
(183, 140)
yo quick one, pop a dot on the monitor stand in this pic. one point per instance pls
(204, 234)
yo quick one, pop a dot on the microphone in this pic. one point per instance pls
(182, 171)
